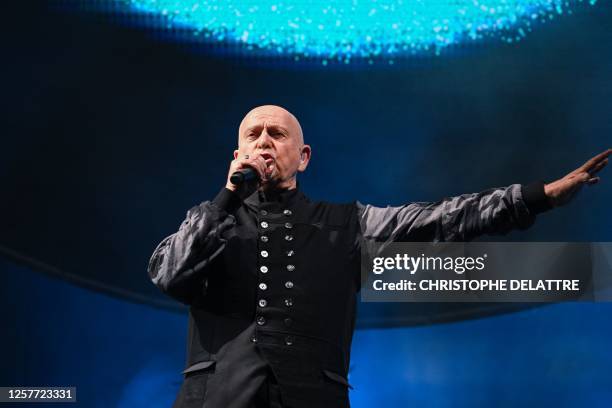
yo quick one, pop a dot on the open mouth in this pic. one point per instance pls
(270, 162)
(267, 156)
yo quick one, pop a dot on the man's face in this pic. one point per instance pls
(276, 135)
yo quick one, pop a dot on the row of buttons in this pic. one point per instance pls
(289, 340)
(265, 238)
(287, 212)
(264, 224)
(262, 320)
(265, 253)
(265, 269)
(288, 285)
(263, 303)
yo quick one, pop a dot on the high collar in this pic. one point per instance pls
(283, 197)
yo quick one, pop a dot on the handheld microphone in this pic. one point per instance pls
(244, 176)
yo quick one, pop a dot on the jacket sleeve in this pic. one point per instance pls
(460, 218)
(179, 264)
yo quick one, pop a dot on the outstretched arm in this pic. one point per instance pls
(465, 217)
(460, 218)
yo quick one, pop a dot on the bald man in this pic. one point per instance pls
(270, 140)
(271, 277)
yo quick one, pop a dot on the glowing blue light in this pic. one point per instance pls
(339, 30)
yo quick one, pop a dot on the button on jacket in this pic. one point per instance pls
(272, 281)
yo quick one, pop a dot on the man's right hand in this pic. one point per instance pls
(257, 163)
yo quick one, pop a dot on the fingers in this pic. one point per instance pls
(588, 177)
(598, 167)
(588, 166)
(257, 163)
(593, 180)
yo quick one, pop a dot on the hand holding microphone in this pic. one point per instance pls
(246, 172)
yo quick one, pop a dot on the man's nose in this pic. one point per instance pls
(264, 140)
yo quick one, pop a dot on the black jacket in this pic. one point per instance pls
(277, 276)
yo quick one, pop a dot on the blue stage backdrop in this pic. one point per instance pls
(114, 125)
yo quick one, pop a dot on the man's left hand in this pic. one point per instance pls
(561, 191)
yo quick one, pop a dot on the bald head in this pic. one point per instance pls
(272, 114)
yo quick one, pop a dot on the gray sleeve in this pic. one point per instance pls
(460, 218)
(178, 265)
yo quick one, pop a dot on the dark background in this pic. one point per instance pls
(111, 131)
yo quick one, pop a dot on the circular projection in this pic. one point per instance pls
(344, 30)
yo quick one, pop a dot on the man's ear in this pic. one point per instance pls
(305, 155)
(235, 154)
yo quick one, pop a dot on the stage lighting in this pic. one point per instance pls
(340, 31)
